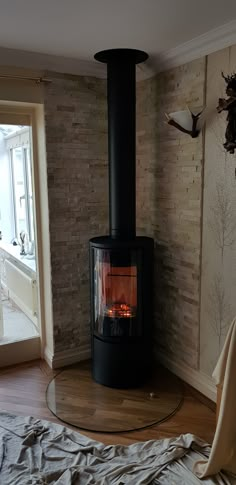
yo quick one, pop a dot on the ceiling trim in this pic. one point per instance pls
(213, 41)
(47, 62)
(203, 45)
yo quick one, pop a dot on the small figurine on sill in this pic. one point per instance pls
(22, 243)
(230, 106)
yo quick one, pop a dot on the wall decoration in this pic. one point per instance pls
(229, 105)
(185, 121)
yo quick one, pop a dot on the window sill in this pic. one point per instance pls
(14, 252)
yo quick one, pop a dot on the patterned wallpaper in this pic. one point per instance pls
(218, 278)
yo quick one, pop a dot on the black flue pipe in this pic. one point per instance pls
(121, 98)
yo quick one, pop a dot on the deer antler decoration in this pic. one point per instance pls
(193, 131)
(229, 105)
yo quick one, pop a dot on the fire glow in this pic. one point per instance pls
(120, 310)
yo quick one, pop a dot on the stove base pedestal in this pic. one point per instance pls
(121, 364)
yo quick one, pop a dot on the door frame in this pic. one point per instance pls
(33, 114)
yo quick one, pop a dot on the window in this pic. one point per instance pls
(16, 186)
(22, 191)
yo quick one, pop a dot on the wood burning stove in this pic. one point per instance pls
(121, 264)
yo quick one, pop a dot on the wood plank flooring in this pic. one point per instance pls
(23, 387)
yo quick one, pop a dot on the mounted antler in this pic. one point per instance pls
(229, 78)
(182, 118)
(229, 105)
(226, 78)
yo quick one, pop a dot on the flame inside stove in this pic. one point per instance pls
(120, 310)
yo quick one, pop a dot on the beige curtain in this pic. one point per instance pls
(223, 452)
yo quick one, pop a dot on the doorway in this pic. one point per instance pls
(20, 325)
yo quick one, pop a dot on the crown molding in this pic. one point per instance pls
(203, 45)
(36, 62)
(44, 62)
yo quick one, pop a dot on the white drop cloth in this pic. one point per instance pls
(35, 452)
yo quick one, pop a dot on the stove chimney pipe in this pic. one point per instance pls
(121, 96)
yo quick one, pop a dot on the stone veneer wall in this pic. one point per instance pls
(76, 145)
(146, 153)
(169, 190)
(176, 217)
(169, 205)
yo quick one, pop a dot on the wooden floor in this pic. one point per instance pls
(23, 387)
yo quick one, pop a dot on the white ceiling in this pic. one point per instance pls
(79, 28)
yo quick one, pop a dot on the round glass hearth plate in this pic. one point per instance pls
(76, 399)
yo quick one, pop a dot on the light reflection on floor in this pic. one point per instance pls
(16, 325)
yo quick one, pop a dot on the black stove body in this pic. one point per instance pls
(121, 263)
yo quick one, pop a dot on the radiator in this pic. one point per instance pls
(22, 289)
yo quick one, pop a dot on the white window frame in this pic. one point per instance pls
(26, 186)
(21, 140)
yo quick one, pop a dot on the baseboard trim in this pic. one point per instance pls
(196, 379)
(66, 357)
(47, 355)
